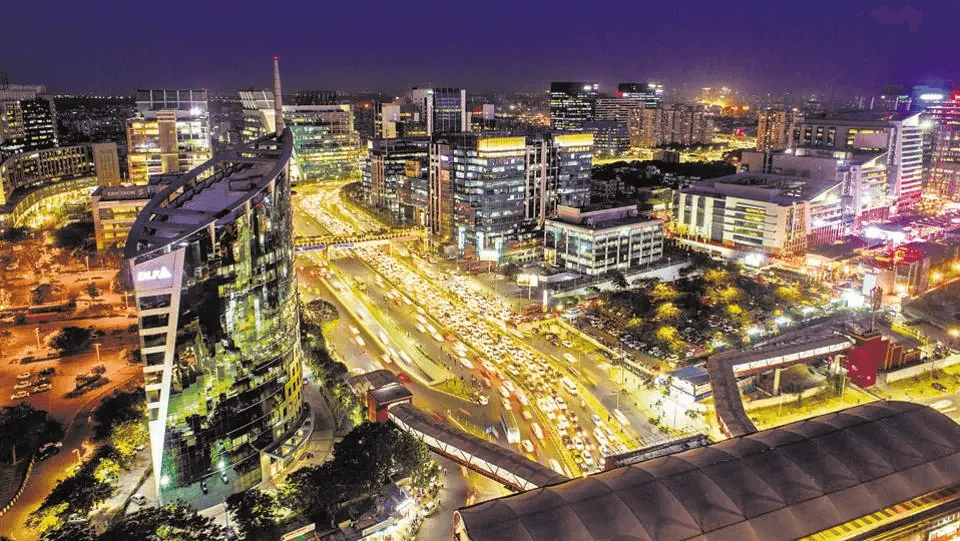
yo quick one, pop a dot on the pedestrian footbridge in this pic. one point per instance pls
(482, 456)
(724, 369)
(324, 242)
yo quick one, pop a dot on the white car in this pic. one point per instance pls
(527, 446)
(506, 404)
(466, 363)
(483, 400)
(428, 509)
(526, 414)
(19, 395)
(504, 391)
(537, 431)
(22, 385)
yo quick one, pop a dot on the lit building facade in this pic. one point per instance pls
(594, 240)
(170, 134)
(488, 190)
(650, 94)
(442, 110)
(115, 209)
(774, 128)
(944, 176)
(898, 137)
(611, 138)
(38, 182)
(28, 121)
(211, 261)
(572, 104)
(386, 163)
(759, 213)
(326, 145)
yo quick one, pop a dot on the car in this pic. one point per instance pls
(428, 509)
(537, 431)
(506, 404)
(27, 359)
(483, 400)
(19, 395)
(25, 375)
(526, 414)
(42, 388)
(596, 419)
(139, 499)
(48, 371)
(203, 486)
(527, 446)
(939, 387)
(22, 385)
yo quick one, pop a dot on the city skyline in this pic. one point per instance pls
(859, 47)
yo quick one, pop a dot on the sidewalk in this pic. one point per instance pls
(137, 479)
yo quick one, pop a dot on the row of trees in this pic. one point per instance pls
(177, 521)
(121, 429)
(23, 430)
(363, 462)
(329, 373)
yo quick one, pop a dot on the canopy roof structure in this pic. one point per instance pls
(783, 483)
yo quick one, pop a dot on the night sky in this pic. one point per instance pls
(803, 46)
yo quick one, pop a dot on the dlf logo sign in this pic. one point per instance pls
(150, 275)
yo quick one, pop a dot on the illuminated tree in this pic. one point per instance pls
(717, 276)
(108, 470)
(790, 294)
(663, 292)
(667, 311)
(127, 437)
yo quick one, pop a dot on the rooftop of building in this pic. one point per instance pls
(854, 118)
(783, 483)
(601, 216)
(209, 192)
(697, 375)
(779, 189)
(845, 249)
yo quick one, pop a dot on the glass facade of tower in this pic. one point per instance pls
(572, 104)
(326, 145)
(211, 261)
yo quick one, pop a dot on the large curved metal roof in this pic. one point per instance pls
(782, 483)
(208, 192)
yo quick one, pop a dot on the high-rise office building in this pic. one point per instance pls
(386, 164)
(572, 104)
(488, 190)
(442, 110)
(170, 134)
(944, 175)
(650, 94)
(28, 121)
(325, 142)
(774, 128)
(211, 262)
(898, 136)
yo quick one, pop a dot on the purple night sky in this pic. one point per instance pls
(113, 46)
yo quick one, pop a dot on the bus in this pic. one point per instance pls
(46, 312)
(509, 424)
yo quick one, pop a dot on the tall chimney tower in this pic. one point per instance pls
(277, 97)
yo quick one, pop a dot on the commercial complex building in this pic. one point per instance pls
(170, 134)
(115, 209)
(611, 138)
(39, 181)
(898, 137)
(675, 124)
(886, 470)
(759, 213)
(594, 240)
(649, 94)
(572, 104)
(211, 262)
(774, 128)
(487, 190)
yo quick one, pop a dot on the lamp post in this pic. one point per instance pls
(36, 331)
(97, 345)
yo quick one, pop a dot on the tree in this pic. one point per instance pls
(178, 522)
(77, 494)
(74, 235)
(118, 409)
(667, 311)
(790, 294)
(663, 292)
(127, 437)
(71, 340)
(15, 234)
(41, 293)
(255, 512)
(23, 429)
(92, 290)
(618, 279)
(71, 531)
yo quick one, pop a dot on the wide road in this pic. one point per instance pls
(385, 315)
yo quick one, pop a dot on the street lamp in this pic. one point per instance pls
(36, 331)
(97, 345)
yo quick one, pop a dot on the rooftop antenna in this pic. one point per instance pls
(277, 97)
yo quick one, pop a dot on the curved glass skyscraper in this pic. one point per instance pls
(211, 261)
